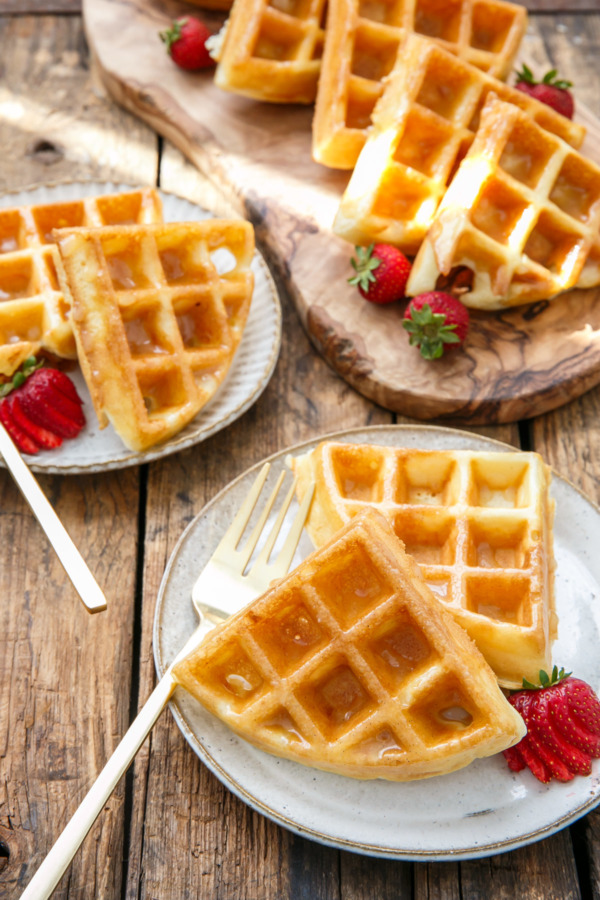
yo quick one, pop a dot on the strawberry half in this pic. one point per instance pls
(40, 407)
(562, 715)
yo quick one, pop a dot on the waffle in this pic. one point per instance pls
(478, 524)
(521, 213)
(350, 665)
(34, 315)
(155, 323)
(423, 126)
(272, 50)
(362, 43)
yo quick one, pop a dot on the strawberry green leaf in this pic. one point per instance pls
(364, 265)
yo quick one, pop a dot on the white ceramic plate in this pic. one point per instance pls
(478, 811)
(96, 450)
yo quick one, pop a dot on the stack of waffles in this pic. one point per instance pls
(410, 98)
(351, 665)
(149, 309)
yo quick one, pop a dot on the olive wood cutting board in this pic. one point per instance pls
(515, 364)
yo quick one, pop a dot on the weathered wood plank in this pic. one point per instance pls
(66, 676)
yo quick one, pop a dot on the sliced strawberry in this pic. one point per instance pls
(515, 761)
(582, 702)
(529, 707)
(58, 401)
(542, 722)
(20, 437)
(42, 413)
(59, 381)
(47, 440)
(533, 762)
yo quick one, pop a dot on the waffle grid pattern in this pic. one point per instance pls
(423, 127)
(34, 314)
(478, 524)
(348, 661)
(271, 50)
(521, 213)
(362, 41)
(156, 324)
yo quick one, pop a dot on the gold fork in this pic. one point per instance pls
(222, 588)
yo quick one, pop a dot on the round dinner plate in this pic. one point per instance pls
(96, 450)
(480, 810)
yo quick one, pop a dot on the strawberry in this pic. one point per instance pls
(186, 43)
(550, 90)
(381, 273)
(434, 320)
(40, 408)
(562, 715)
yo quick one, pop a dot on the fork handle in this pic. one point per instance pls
(53, 867)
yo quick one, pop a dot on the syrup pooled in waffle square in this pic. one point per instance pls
(349, 664)
(363, 40)
(423, 126)
(34, 314)
(157, 317)
(479, 524)
(521, 214)
(271, 50)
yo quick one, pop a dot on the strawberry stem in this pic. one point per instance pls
(547, 680)
(364, 265)
(21, 375)
(172, 34)
(429, 331)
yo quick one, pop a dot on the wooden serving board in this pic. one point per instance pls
(515, 364)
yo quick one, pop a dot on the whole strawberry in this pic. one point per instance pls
(381, 273)
(40, 407)
(434, 321)
(550, 90)
(186, 43)
(562, 715)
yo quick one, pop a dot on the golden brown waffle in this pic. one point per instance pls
(423, 126)
(272, 50)
(156, 325)
(34, 314)
(521, 215)
(363, 41)
(350, 665)
(478, 524)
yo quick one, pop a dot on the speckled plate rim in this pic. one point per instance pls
(49, 462)
(421, 436)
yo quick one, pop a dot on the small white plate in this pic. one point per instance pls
(479, 811)
(96, 450)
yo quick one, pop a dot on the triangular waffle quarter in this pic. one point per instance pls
(157, 318)
(350, 665)
(520, 215)
(479, 524)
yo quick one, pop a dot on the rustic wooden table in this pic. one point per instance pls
(70, 682)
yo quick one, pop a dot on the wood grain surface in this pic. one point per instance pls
(69, 682)
(515, 364)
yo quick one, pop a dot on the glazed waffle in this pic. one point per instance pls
(520, 214)
(272, 50)
(156, 325)
(478, 524)
(349, 664)
(423, 126)
(362, 42)
(34, 315)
